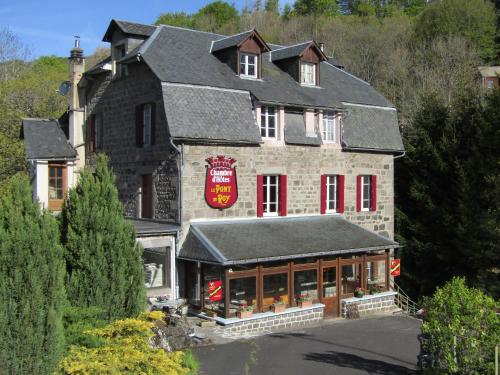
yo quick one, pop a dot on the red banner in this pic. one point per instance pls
(395, 267)
(221, 189)
(215, 290)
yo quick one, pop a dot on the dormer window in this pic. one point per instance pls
(248, 65)
(308, 73)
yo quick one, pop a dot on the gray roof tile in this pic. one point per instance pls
(256, 240)
(230, 41)
(45, 140)
(195, 112)
(282, 53)
(295, 131)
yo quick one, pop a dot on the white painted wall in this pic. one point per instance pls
(41, 182)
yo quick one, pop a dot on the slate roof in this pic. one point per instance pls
(151, 227)
(183, 56)
(295, 131)
(210, 114)
(130, 28)
(258, 240)
(489, 71)
(282, 53)
(45, 140)
(371, 129)
(230, 41)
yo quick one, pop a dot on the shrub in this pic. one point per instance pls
(463, 329)
(79, 320)
(31, 284)
(126, 350)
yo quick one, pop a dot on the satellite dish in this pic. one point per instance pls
(64, 88)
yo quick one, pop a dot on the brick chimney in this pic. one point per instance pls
(76, 104)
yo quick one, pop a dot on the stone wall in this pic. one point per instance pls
(116, 99)
(291, 318)
(371, 304)
(303, 166)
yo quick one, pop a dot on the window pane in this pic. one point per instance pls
(242, 293)
(251, 59)
(59, 172)
(329, 282)
(213, 274)
(271, 133)
(243, 59)
(155, 267)
(275, 287)
(306, 283)
(351, 277)
(375, 275)
(251, 70)
(52, 172)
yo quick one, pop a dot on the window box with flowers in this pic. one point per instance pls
(245, 312)
(304, 300)
(278, 305)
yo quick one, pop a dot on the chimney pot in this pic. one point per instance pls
(322, 47)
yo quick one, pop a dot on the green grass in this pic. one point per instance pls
(191, 362)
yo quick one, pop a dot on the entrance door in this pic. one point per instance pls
(329, 290)
(147, 196)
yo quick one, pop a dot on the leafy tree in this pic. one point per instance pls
(180, 19)
(104, 264)
(316, 7)
(473, 19)
(447, 194)
(217, 14)
(272, 6)
(463, 328)
(32, 293)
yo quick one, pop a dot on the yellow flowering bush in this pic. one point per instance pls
(125, 351)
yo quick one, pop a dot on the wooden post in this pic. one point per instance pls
(227, 296)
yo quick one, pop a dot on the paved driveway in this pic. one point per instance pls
(384, 345)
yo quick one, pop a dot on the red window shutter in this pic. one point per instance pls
(283, 207)
(139, 126)
(323, 194)
(358, 193)
(340, 209)
(260, 195)
(374, 194)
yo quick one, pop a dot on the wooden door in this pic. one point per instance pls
(147, 196)
(329, 290)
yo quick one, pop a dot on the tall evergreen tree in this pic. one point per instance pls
(31, 284)
(104, 265)
(447, 194)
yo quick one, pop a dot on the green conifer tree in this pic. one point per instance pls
(104, 265)
(32, 293)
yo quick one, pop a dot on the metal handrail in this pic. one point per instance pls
(403, 301)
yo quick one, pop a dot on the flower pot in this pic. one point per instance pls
(303, 304)
(279, 308)
(359, 294)
(244, 314)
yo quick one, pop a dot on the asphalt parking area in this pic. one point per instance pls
(385, 345)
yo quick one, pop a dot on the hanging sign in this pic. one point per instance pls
(221, 190)
(215, 290)
(395, 267)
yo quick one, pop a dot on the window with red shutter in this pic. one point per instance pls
(341, 182)
(358, 193)
(260, 195)
(323, 194)
(282, 189)
(373, 198)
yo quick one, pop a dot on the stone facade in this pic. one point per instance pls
(372, 304)
(116, 99)
(303, 166)
(291, 318)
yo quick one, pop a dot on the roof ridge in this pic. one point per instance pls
(231, 36)
(293, 45)
(187, 29)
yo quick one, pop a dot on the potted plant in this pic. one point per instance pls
(278, 305)
(304, 300)
(245, 311)
(359, 292)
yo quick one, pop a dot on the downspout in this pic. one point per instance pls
(180, 166)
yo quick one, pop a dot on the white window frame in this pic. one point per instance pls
(332, 180)
(329, 133)
(245, 64)
(366, 180)
(267, 200)
(146, 117)
(307, 73)
(264, 122)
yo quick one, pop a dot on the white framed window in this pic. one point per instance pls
(270, 195)
(490, 83)
(366, 189)
(147, 124)
(329, 133)
(248, 65)
(268, 122)
(307, 73)
(332, 196)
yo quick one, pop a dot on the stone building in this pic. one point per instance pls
(257, 175)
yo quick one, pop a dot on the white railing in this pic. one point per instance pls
(403, 301)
